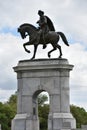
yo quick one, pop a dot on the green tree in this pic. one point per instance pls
(43, 116)
(12, 102)
(6, 115)
(42, 98)
(43, 110)
(79, 114)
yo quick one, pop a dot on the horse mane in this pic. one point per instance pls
(30, 25)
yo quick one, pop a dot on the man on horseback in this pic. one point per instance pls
(45, 30)
(45, 25)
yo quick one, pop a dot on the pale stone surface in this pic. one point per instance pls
(84, 126)
(0, 126)
(35, 77)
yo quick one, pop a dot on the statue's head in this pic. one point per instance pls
(40, 12)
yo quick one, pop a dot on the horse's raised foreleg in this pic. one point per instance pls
(35, 49)
(24, 45)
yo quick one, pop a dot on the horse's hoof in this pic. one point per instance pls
(31, 58)
(60, 57)
(49, 55)
(28, 51)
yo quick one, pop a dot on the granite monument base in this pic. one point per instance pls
(34, 77)
(61, 121)
(24, 122)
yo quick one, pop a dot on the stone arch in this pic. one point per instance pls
(35, 102)
(37, 92)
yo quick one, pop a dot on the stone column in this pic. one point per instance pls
(60, 117)
(35, 77)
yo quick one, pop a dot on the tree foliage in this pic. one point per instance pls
(43, 110)
(43, 116)
(6, 115)
(42, 98)
(79, 114)
(13, 102)
(7, 112)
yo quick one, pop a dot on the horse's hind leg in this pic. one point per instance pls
(59, 47)
(54, 48)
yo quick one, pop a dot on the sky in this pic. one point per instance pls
(69, 17)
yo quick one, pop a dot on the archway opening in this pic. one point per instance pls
(42, 108)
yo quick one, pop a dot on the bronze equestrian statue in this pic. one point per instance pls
(44, 34)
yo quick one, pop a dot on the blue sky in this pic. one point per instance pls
(10, 30)
(69, 17)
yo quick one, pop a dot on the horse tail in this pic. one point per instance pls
(63, 38)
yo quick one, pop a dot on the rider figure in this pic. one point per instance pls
(43, 25)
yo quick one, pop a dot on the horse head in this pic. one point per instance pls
(27, 29)
(22, 32)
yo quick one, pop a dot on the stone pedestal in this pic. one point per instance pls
(35, 77)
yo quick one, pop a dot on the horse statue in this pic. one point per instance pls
(35, 38)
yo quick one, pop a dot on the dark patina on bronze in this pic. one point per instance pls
(44, 34)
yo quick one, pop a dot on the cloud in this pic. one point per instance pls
(77, 56)
(10, 53)
(69, 17)
(5, 94)
(78, 76)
